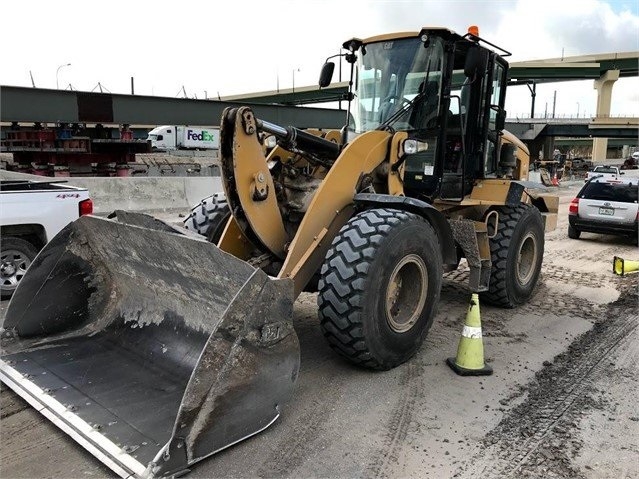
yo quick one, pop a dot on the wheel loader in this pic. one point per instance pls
(155, 347)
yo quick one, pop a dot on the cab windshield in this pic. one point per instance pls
(398, 83)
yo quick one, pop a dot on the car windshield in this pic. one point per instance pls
(622, 192)
(605, 169)
(392, 74)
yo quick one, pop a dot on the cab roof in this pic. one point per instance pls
(444, 32)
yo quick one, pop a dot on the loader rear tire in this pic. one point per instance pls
(209, 217)
(517, 251)
(379, 287)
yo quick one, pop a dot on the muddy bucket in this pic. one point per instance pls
(151, 349)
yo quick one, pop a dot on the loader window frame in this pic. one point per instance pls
(389, 76)
(495, 96)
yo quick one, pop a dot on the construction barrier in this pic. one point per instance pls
(149, 194)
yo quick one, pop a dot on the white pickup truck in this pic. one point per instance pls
(31, 213)
(605, 173)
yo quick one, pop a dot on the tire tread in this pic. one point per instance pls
(342, 281)
(207, 214)
(509, 217)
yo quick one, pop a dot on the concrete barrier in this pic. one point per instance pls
(534, 176)
(148, 194)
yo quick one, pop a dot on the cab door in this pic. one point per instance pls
(495, 97)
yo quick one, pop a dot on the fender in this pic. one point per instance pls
(431, 214)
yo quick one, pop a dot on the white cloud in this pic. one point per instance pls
(237, 47)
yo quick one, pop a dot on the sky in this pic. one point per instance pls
(229, 47)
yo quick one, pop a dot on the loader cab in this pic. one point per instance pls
(444, 90)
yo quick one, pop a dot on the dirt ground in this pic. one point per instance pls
(561, 402)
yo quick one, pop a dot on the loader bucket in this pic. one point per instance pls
(151, 349)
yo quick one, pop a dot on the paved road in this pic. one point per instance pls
(561, 402)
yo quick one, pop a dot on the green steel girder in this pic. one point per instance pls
(22, 104)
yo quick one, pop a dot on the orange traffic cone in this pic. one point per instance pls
(470, 352)
(555, 181)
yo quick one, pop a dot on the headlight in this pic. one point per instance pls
(410, 147)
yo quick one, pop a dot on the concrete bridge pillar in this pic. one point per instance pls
(536, 149)
(604, 97)
(548, 148)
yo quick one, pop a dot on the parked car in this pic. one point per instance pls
(32, 213)
(605, 206)
(580, 164)
(630, 163)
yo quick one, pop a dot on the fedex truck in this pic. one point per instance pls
(168, 137)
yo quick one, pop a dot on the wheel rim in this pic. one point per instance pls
(13, 266)
(527, 259)
(406, 293)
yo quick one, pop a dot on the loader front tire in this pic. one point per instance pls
(379, 287)
(517, 251)
(209, 217)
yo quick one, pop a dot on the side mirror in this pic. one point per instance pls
(622, 172)
(473, 61)
(500, 120)
(326, 75)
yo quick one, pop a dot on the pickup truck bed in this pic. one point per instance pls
(605, 173)
(31, 214)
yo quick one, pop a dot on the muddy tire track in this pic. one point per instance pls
(301, 442)
(545, 300)
(535, 439)
(397, 428)
(569, 276)
(308, 429)
(582, 254)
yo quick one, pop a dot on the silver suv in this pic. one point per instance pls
(605, 206)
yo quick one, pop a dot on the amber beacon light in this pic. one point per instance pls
(473, 30)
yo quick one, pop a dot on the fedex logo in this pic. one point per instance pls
(202, 136)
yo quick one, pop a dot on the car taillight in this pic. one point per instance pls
(573, 209)
(86, 207)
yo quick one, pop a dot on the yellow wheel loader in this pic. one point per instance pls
(155, 348)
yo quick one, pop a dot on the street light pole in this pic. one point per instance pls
(294, 70)
(58, 71)
(577, 109)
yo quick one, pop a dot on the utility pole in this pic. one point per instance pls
(294, 70)
(132, 87)
(533, 95)
(554, 103)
